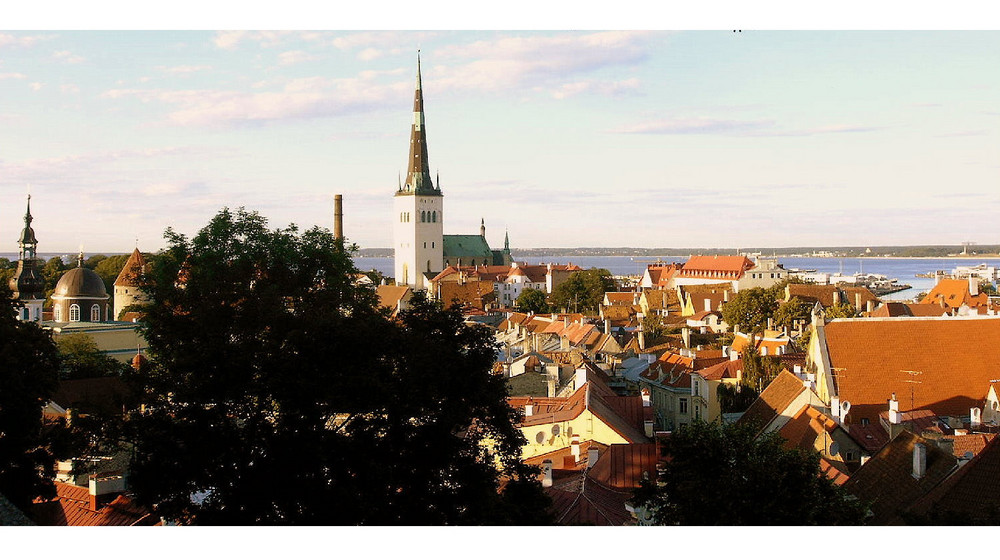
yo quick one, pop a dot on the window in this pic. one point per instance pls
(74, 313)
(848, 455)
(58, 316)
(95, 313)
(684, 406)
(864, 421)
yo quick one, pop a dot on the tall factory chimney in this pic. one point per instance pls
(338, 216)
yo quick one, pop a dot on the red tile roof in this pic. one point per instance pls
(954, 293)
(957, 357)
(700, 266)
(580, 500)
(775, 398)
(132, 272)
(971, 491)
(886, 480)
(71, 507)
(622, 466)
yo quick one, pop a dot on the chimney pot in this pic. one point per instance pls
(592, 456)
(919, 460)
(547, 473)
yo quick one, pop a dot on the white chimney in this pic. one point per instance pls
(708, 304)
(835, 408)
(763, 350)
(973, 286)
(592, 455)
(103, 487)
(975, 417)
(547, 473)
(575, 448)
(580, 379)
(797, 369)
(529, 409)
(646, 401)
(919, 460)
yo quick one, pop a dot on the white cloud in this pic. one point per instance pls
(229, 40)
(35, 85)
(68, 57)
(185, 69)
(294, 57)
(8, 40)
(69, 88)
(12, 76)
(697, 125)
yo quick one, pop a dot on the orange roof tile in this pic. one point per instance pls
(131, 273)
(956, 358)
(954, 293)
(701, 266)
(775, 398)
(71, 507)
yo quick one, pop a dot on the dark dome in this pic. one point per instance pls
(81, 282)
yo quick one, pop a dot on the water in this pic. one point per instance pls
(905, 270)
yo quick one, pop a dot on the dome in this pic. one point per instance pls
(80, 282)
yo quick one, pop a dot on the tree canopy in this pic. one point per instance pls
(532, 301)
(750, 309)
(81, 358)
(278, 393)
(720, 474)
(583, 290)
(28, 378)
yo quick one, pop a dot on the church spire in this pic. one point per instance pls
(27, 282)
(418, 175)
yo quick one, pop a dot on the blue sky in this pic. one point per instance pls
(584, 138)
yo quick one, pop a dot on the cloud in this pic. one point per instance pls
(294, 57)
(962, 133)
(593, 86)
(35, 86)
(8, 40)
(69, 88)
(68, 57)
(759, 128)
(301, 98)
(550, 62)
(12, 76)
(697, 125)
(184, 69)
(229, 40)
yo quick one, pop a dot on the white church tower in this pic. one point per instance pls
(417, 210)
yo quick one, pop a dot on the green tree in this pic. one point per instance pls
(532, 301)
(52, 271)
(28, 378)
(7, 269)
(299, 402)
(840, 311)
(81, 359)
(583, 290)
(750, 309)
(987, 288)
(109, 268)
(791, 311)
(720, 474)
(735, 398)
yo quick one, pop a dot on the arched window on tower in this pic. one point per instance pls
(434, 216)
(74, 313)
(95, 313)
(428, 266)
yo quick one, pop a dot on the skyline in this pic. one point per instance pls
(564, 139)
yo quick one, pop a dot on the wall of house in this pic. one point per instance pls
(542, 439)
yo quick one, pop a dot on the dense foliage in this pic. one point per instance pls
(81, 358)
(790, 311)
(28, 378)
(583, 291)
(720, 474)
(279, 394)
(750, 309)
(532, 301)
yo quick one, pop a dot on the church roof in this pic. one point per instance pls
(132, 271)
(80, 282)
(462, 246)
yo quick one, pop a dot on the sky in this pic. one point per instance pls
(700, 138)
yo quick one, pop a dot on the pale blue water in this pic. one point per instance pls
(905, 270)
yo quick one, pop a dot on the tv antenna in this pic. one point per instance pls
(913, 383)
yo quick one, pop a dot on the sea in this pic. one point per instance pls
(905, 270)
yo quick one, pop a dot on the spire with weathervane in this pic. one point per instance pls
(27, 285)
(418, 174)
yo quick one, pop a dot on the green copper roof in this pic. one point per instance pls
(466, 247)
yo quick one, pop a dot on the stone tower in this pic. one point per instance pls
(127, 285)
(418, 236)
(27, 285)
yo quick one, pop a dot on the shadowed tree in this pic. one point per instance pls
(583, 290)
(532, 301)
(720, 474)
(278, 393)
(28, 378)
(750, 309)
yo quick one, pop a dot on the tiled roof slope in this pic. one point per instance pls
(132, 271)
(622, 466)
(701, 266)
(776, 397)
(900, 309)
(887, 480)
(580, 500)
(824, 294)
(389, 296)
(957, 357)
(71, 507)
(971, 491)
(954, 293)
